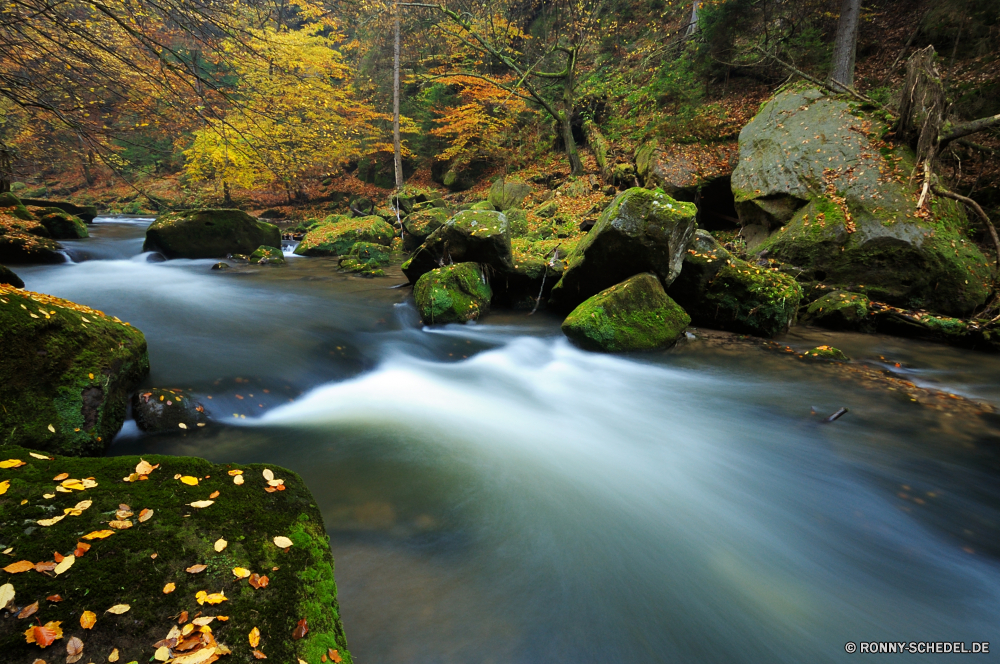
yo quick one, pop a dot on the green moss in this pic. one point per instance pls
(826, 353)
(209, 234)
(74, 370)
(634, 315)
(452, 294)
(337, 239)
(120, 569)
(63, 226)
(267, 256)
(532, 258)
(840, 310)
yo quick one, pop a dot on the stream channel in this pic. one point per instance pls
(493, 494)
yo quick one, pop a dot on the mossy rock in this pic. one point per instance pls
(84, 212)
(209, 234)
(483, 205)
(13, 206)
(265, 255)
(506, 194)
(338, 238)
(518, 222)
(925, 325)
(547, 210)
(816, 188)
(62, 225)
(477, 236)
(26, 241)
(641, 231)
(66, 388)
(7, 276)
(157, 410)
(420, 224)
(828, 353)
(453, 294)
(133, 565)
(840, 310)
(367, 258)
(409, 197)
(634, 315)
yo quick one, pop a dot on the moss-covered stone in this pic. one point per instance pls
(209, 234)
(14, 207)
(634, 315)
(84, 212)
(507, 194)
(547, 210)
(265, 255)
(338, 238)
(420, 224)
(477, 236)
(26, 240)
(640, 231)
(134, 565)
(62, 225)
(840, 310)
(367, 258)
(452, 294)
(156, 410)
(818, 189)
(826, 353)
(483, 205)
(7, 276)
(518, 222)
(409, 197)
(66, 386)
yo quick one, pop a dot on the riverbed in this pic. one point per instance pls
(493, 494)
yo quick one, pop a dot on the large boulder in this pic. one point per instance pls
(478, 236)
(367, 258)
(7, 276)
(505, 195)
(419, 226)
(154, 535)
(25, 241)
(62, 225)
(209, 234)
(817, 188)
(679, 170)
(66, 388)
(641, 231)
(452, 294)
(634, 315)
(159, 410)
(336, 239)
(409, 197)
(84, 212)
(723, 292)
(14, 207)
(538, 266)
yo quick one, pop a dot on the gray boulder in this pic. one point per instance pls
(505, 195)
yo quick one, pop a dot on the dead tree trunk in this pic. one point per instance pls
(845, 43)
(922, 105)
(6, 168)
(397, 148)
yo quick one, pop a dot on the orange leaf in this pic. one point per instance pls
(214, 494)
(145, 515)
(169, 588)
(81, 548)
(334, 655)
(21, 566)
(45, 567)
(258, 581)
(182, 618)
(58, 557)
(254, 637)
(28, 611)
(54, 598)
(60, 477)
(300, 630)
(194, 569)
(88, 619)
(259, 655)
(45, 635)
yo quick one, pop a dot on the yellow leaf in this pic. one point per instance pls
(4, 486)
(169, 588)
(199, 656)
(98, 534)
(88, 619)
(254, 637)
(11, 463)
(40, 456)
(143, 467)
(196, 569)
(282, 542)
(119, 609)
(235, 472)
(202, 503)
(113, 657)
(202, 621)
(18, 567)
(162, 654)
(221, 544)
(268, 475)
(66, 563)
(120, 525)
(50, 522)
(238, 480)
(145, 515)
(6, 594)
(214, 598)
(52, 428)
(241, 572)
(191, 481)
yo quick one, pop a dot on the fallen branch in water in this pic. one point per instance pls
(545, 271)
(836, 416)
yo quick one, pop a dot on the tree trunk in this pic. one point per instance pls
(845, 44)
(5, 168)
(922, 104)
(227, 200)
(566, 119)
(396, 146)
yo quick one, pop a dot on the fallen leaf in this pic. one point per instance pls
(99, 534)
(153, 555)
(18, 567)
(204, 620)
(144, 467)
(214, 598)
(51, 522)
(275, 483)
(214, 494)
(268, 475)
(182, 425)
(6, 594)
(259, 581)
(54, 598)
(120, 525)
(223, 618)
(270, 489)
(88, 619)
(221, 544)
(169, 588)
(60, 477)
(235, 472)
(77, 509)
(45, 567)
(162, 654)
(202, 503)
(40, 456)
(119, 609)
(74, 650)
(4, 486)
(241, 572)
(300, 630)
(254, 637)
(113, 657)
(282, 542)
(48, 495)
(194, 569)
(58, 557)
(238, 480)
(81, 548)
(182, 618)
(12, 463)
(43, 636)
(191, 481)
(52, 428)
(66, 563)
(259, 655)
(334, 655)
(28, 611)
(145, 515)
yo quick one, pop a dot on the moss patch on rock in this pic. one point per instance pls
(634, 315)
(336, 239)
(133, 566)
(452, 294)
(25, 241)
(479, 236)
(420, 224)
(61, 225)
(209, 234)
(265, 255)
(66, 387)
(826, 353)
(840, 310)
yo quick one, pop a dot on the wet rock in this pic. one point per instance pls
(208, 234)
(7, 276)
(679, 170)
(533, 259)
(840, 310)
(367, 258)
(221, 266)
(452, 294)
(470, 236)
(84, 212)
(826, 353)
(641, 231)
(265, 255)
(157, 410)
(66, 389)
(338, 238)
(410, 197)
(420, 224)
(61, 225)
(14, 207)
(23, 239)
(816, 188)
(634, 315)
(506, 194)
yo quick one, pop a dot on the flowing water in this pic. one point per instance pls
(495, 495)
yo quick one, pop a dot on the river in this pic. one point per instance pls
(493, 494)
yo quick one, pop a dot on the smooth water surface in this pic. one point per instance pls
(495, 495)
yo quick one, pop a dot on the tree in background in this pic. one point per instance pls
(845, 44)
